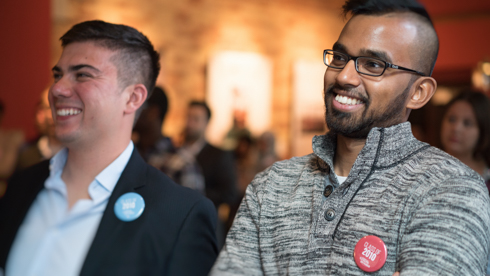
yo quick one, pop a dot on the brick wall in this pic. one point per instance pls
(188, 32)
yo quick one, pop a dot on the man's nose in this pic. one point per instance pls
(61, 88)
(349, 76)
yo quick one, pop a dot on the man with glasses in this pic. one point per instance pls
(370, 198)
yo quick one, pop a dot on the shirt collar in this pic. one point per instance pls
(57, 163)
(110, 175)
(107, 178)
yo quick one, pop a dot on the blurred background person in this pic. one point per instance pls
(46, 145)
(10, 143)
(158, 150)
(237, 131)
(246, 161)
(465, 131)
(147, 132)
(266, 145)
(253, 155)
(196, 164)
(217, 166)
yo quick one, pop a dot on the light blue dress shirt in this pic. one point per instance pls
(54, 240)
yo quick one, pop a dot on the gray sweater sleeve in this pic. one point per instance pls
(447, 233)
(240, 255)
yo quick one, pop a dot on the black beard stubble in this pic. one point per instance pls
(343, 123)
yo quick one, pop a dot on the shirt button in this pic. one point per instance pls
(328, 190)
(329, 214)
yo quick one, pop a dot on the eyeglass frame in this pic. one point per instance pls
(387, 64)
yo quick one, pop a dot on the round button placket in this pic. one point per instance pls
(328, 190)
(329, 214)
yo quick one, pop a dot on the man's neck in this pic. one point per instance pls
(83, 164)
(346, 154)
(54, 144)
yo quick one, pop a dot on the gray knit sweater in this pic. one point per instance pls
(432, 212)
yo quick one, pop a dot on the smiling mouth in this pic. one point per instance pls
(68, 111)
(347, 100)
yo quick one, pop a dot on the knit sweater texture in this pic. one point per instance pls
(431, 211)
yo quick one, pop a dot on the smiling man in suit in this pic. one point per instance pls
(96, 208)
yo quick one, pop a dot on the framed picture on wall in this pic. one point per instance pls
(239, 88)
(308, 111)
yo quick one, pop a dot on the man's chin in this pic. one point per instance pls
(345, 126)
(350, 133)
(363, 134)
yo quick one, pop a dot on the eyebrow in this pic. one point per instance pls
(364, 52)
(339, 47)
(376, 54)
(76, 68)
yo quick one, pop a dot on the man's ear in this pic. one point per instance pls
(422, 91)
(137, 97)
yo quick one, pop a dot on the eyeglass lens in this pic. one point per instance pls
(365, 65)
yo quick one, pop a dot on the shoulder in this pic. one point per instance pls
(286, 173)
(441, 177)
(174, 206)
(160, 182)
(168, 206)
(36, 171)
(165, 193)
(22, 188)
(440, 165)
(294, 162)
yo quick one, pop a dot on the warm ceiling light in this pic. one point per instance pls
(442, 96)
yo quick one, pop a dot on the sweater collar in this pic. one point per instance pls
(395, 143)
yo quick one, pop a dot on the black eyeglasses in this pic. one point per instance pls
(364, 65)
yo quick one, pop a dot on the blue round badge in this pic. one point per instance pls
(129, 206)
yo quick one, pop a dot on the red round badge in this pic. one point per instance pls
(370, 253)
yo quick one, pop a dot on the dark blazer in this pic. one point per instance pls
(218, 168)
(175, 234)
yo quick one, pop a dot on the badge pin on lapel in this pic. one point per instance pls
(129, 206)
(370, 253)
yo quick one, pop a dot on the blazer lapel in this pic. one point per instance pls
(132, 180)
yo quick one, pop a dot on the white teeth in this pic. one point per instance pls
(347, 100)
(68, 112)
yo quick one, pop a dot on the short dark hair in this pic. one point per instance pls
(480, 104)
(380, 7)
(203, 105)
(159, 99)
(427, 60)
(137, 61)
